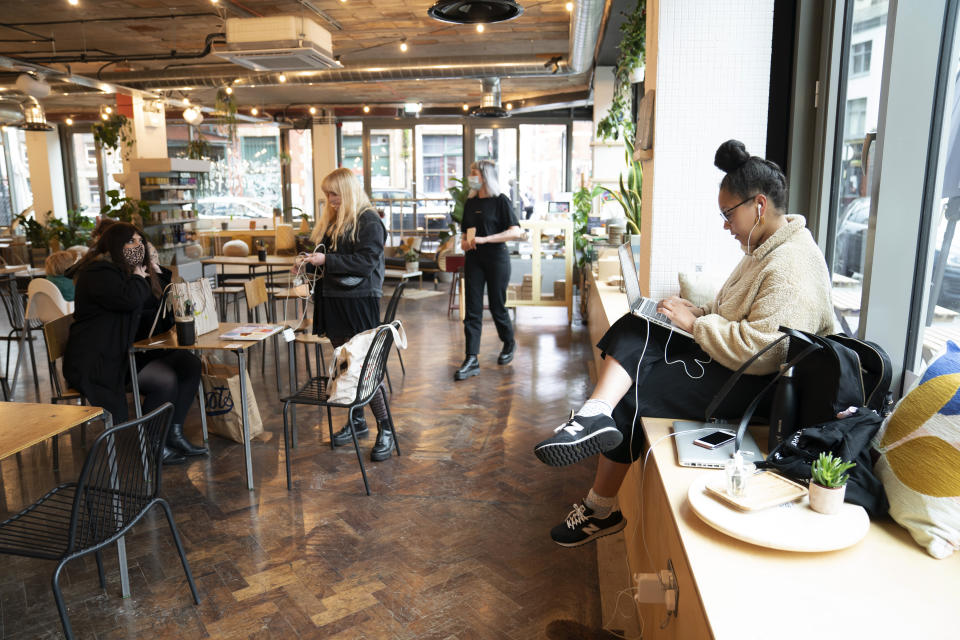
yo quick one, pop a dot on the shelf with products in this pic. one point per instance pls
(548, 250)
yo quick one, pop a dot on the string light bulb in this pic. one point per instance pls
(74, 2)
(254, 111)
(69, 122)
(366, 109)
(313, 111)
(228, 91)
(108, 109)
(480, 28)
(509, 106)
(569, 6)
(466, 107)
(186, 101)
(403, 45)
(282, 77)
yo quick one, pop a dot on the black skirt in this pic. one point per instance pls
(674, 379)
(342, 318)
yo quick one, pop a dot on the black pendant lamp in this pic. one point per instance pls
(474, 11)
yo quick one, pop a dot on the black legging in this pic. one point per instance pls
(377, 403)
(173, 377)
(490, 268)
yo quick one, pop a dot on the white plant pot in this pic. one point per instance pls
(412, 266)
(826, 500)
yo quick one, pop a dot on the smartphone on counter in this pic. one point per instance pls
(714, 440)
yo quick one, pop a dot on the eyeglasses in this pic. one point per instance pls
(725, 213)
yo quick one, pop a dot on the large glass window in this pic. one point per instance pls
(391, 176)
(85, 167)
(582, 157)
(543, 152)
(500, 145)
(351, 148)
(301, 171)
(859, 101)
(941, 318)
(440, 158)
(15, 143)
(6, 198)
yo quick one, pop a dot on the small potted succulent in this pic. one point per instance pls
(828, 483)
(411, 259)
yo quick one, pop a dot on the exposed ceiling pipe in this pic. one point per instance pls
(585, 22)
(211, 39)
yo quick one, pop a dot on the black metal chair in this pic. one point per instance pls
(118, 484)
(21, 329)
(314, 392)
(388, 317)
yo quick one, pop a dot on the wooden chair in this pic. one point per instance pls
(118, 484)
(55, 334)
(314, 392)
(259, 300)
(226, 294)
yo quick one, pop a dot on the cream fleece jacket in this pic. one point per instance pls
(784, 281)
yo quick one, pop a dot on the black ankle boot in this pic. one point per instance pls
(171, 456)
(383, 447)
(470, 367)
(343, 437)
(177, 442)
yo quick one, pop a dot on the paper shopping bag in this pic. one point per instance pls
(221, 402)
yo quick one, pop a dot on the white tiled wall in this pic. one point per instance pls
(712, 85)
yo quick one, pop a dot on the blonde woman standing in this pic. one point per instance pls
(346, 298)
(490, 215)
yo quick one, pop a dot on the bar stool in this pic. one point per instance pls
(454, 264)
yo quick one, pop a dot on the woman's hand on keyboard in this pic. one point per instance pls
(682, 313)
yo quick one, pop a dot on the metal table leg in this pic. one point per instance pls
(135, 384)
(241, 358)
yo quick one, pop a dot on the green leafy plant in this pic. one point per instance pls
(225, 108)
(411, 256)
(75, 231)
(458, 193)
(38, 235)
(114, 133)
(198, 149)
(632, 47)
(830, 471)
(629, 196)
(125, 209)
(582, 206)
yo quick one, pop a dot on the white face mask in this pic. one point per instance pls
(475, 183)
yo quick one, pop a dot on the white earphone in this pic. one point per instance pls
(758, 212)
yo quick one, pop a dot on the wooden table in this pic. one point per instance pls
(403, 274)
(36, 423)
(252, 263)
(207, 342)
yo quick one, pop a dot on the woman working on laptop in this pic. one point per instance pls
(651, 371)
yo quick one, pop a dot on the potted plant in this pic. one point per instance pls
(411, 259)
(618, 120)
(125, 209)
(39, 237)
(582, 242)
(114, 132)
(828, 483)
(225, 107)
(75, 231)
(629, 196)
(458, 193)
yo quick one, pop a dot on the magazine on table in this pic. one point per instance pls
(251, 332)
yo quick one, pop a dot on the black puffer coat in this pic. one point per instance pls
(106, 317)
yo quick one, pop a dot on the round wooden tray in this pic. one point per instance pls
(791, 527)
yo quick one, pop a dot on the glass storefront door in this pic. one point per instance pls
(392, 176)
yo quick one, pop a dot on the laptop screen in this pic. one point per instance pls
(630, 280)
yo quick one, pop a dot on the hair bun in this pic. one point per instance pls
(730, 156)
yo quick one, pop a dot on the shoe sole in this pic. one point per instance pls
(381, 458)
(560, 454)
(463, 376)
(599, 534)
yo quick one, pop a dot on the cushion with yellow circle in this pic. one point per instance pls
(920, 457)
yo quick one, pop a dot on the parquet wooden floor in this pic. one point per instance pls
(453, 543)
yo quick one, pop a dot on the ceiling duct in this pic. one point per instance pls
(584, 31)
(474, 11)
(490, 101)
(278, 43)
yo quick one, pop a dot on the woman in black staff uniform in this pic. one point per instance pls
(346, 299)
(487, 263)
(113, 283)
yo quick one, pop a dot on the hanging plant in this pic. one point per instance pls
(198, 149)
(618, 120)
(226, 109)
(114, 134)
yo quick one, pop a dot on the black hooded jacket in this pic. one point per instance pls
(106, 317)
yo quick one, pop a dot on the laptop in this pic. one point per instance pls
(640, 305)
(691, 455)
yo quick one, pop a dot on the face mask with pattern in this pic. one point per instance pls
(134, 255)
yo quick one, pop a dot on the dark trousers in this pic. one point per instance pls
(173, 377)
(490, 269)
(674, 379)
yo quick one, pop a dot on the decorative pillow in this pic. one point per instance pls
(920, 457)
(698, 288)
(236, 248)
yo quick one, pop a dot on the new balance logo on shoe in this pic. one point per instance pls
(578, 438)
(581, 527)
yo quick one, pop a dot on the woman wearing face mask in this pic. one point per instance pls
(113, 283)
(782, 280)
(490, 215)
(352, 236)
